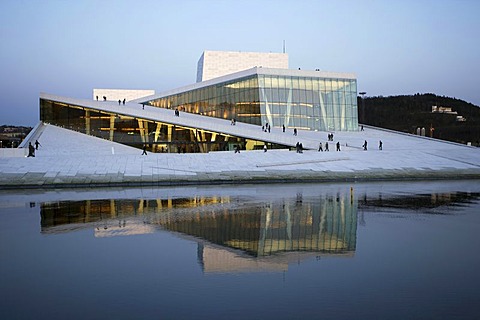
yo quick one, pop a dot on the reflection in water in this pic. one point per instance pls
(423, 202)
(243, 232)
(232, 232)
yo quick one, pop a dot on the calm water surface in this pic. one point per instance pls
(393, 250)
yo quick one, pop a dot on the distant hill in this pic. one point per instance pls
(409, 112)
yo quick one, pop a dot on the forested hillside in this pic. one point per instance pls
(407, 113)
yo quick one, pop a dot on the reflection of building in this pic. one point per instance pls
(328, 225)
(273, 94)
(259, 235)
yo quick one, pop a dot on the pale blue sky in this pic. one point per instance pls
(70, 47)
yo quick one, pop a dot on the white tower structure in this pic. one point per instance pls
(214, 64)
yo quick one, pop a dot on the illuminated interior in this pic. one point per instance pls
(158, 136)
(309, 103)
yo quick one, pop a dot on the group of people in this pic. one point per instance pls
(233, 122)
(380, 145)
(330, 137)
(266, 128)
(31, 148)
(320, 148)
(119, 101)
(177, 113)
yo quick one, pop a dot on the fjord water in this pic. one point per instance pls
(385, 250)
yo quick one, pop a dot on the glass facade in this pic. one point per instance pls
(309, 103)
(158, 136)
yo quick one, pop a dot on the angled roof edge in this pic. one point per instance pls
(246, 73)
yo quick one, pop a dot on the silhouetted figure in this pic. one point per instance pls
(283, 127)
(338, 146)
(361, 128)
(96, 97)
(326, 146)
(237, 149)
(104, 98)
(264, 148)
(37, 144)
(294, 131)
(320, 147)
(31, 150)
(300, 147)
(144, 150)
(119, 102)
(365, 145)
(268, 128)
(380, 145)
(124, 101)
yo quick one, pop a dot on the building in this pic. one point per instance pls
(310, 100)
(258, 96)
(214, 64)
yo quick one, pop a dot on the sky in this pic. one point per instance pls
(68, 48)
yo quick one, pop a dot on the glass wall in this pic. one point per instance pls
(238, 99)
(158, 136)
(310, 103)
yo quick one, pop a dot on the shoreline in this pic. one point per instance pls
(235, 179)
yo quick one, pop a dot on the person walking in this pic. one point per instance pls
(37, 144)
(264, 148)
(338, 146)
(320, 147)
(326, 146)
(144, 150)
(283, 127)
(294, 131)
(380, 145)
(365, 145)
(31, 150)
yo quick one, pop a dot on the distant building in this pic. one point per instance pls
(439, 109)
(448, 110)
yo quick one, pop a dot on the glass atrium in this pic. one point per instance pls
(309, 103)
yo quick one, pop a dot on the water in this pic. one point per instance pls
(392, 250)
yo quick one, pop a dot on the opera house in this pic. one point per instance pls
(253, 93)
(241, 122)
